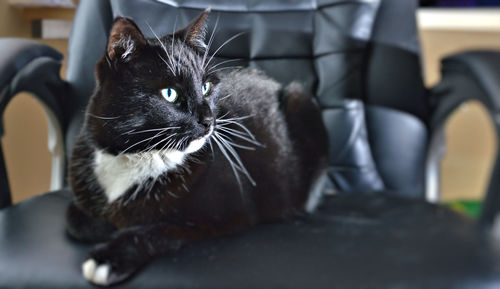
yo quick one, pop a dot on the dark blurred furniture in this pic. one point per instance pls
(459, 3)
(361, 60)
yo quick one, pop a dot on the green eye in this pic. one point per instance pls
(205, 89)
(169, 94)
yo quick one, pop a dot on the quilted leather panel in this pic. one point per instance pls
(330, 35)
(399, 145)
(352, 167)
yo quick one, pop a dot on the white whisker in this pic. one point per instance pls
(176, 66)
(139, 142)
(164, 48)
(227, 96)
(234, 118)
(220, 47)
(156, 144)
(222, 117)
(239, 134)
(172, 194)
(181, 143)
(223, 62)
(169, 67)
(225, 68)
(154, 129)
(233, 144)
(211, 147)
(210, 41)
(102, 117)
(242, 126)
(228, 158)
(237, 159)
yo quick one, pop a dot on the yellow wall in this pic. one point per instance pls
(11, 22)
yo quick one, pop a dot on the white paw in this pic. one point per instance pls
(97, 274)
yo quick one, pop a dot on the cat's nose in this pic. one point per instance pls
(207, 122)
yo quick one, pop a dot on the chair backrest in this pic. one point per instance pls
(397, 103)
(327, 45)
(394, 76)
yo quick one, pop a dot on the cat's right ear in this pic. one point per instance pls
(194, 33)
(125, 40)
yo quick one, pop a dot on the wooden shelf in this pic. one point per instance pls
(459, 19)
(38, 13)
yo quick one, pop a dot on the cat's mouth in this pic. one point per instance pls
(198, 143)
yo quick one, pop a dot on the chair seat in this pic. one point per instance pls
(374, 241)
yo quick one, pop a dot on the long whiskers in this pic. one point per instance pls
(239, 135)
(102, 117)
(154, 129)
(170, 63)
(222, 122)
(176, 66)
(205, 65)
(210, 41)
(142, 141)
(229, 159)
(237, 67)
(213, 67)
(170, 137)
(222, 137)
(233, 144)
(160, 132)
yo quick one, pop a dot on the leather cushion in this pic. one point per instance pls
(399, 147)
(352, 167)
(353, 241)
(375, 149)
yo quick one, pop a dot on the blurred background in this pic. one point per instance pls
(445, 27)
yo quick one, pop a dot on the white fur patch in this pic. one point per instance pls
(88, 269)
(195, 145)
(129, 46)
(118, 173)
(96, 274)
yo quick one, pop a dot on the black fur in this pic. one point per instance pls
(283, 151)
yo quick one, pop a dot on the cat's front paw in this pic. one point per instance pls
(105, 267)
(103, 274)
(95, 273)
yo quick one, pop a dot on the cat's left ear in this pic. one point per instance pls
(194, 33)
(125, 39)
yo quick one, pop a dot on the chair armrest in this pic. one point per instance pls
(17, 52)
(472, 75)
(27, 65)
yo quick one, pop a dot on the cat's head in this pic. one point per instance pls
(153, 93)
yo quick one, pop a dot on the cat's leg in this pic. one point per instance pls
(85, 228)
(130, 249)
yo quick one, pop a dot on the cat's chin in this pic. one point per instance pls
(197, 144)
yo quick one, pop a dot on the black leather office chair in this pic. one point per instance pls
(361, 59)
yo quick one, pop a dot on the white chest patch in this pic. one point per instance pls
(118, 173)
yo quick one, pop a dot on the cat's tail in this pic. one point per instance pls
(309, 135)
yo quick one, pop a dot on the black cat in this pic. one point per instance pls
(172, 151)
